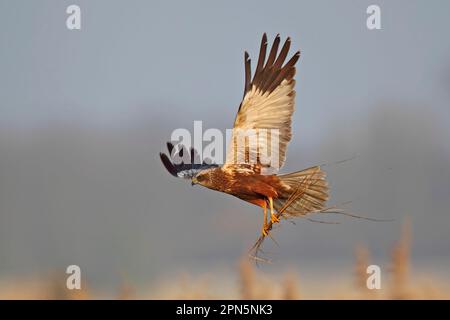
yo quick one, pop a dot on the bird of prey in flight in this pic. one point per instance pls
(268, 104)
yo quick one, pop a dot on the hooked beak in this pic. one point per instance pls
(194, 181)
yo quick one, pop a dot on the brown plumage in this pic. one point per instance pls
(268, 104)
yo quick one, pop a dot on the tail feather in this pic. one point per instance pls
(310, 189)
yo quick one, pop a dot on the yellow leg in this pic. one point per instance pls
(273, 217)
(264, 231)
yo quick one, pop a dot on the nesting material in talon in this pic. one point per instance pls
(274, 218)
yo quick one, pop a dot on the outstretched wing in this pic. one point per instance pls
(180, 168)
(266, 109)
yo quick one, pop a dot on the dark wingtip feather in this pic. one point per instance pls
(273, 53)
(181, 152)
(182, 169)
(273, 73)
(248, 73)
(261, 59)
(291, 63)
(283, 54)
(192, 155)
(170, 147)
(168, 164)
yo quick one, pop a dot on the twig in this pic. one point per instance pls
(299, 192)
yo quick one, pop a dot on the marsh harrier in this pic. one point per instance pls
(268, 104)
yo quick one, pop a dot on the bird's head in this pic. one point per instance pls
(203, 178)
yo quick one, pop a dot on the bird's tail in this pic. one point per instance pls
(306, 191)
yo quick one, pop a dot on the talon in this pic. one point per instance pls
(265, 230)
(274, 218)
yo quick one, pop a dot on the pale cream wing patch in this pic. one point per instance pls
(262, 128)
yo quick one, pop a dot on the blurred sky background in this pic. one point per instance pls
(84, 115)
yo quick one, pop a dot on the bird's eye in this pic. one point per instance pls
(200, 178)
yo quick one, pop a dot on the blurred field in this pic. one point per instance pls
(251, 282)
